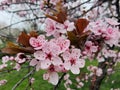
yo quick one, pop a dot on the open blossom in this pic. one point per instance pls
(44, 60)
(112, 36)
(50, 26)
(53, 28)
(38, 42)
(5, 59)
(51, 75)
(111, 21)
(90, 47)
(63, 44)
(69, 26)
(72, 61)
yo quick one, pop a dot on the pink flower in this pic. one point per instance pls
(111, 21)
(38, 42)
(90, 47)
(5, 59)
(72, 61)
(3, 82)
(63, 44)
(66, 76)
(2, 66)
(52, 77)
(50, 26)
(17, 67)
(112, 36)
(99, 72)
(69, 26)
(20, 58)
(44, 60)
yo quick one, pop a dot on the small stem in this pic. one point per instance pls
(20, 81)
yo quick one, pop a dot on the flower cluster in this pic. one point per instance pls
(55, 56)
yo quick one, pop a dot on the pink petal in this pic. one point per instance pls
(81, 63)
(38, 67)
(40, 55)
(56, 61)
(75, 69)
(33, 62)
(53, 78)
(45, 64)
(111, 21)
(67, 65)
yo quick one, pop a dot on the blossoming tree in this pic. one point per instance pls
(74, 35)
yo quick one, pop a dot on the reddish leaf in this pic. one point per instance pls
(33, 34)
(60, 17)
(72, 37)
(11, 48)
(81, 24)
(82, 39)
(23, 39)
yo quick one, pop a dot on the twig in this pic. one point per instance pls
(20, 22)
(20, 81)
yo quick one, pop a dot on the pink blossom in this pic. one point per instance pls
(69, 26)
(99, 72)
(38, 42)
(17, 67)
(2, 66)
(100, 58)
(66, 76)
(111, 21)
(50, 26)
(52, 77)
(3, 82)
(20, 58)
(5, 59)
(80, 84)
(90, 47)
(45, 59)
(32, 80)
(73, 61)
(63, 44)
(112, 36)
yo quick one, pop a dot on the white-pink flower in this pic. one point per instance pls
(63, 44)
(111, 21)
(90, 47)
(72, 61)
(38, 42)
(5, 59)
(20, 58)
(45, 59)
(50, 26)
(52, 77)
(3, 82)
(69, 26)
